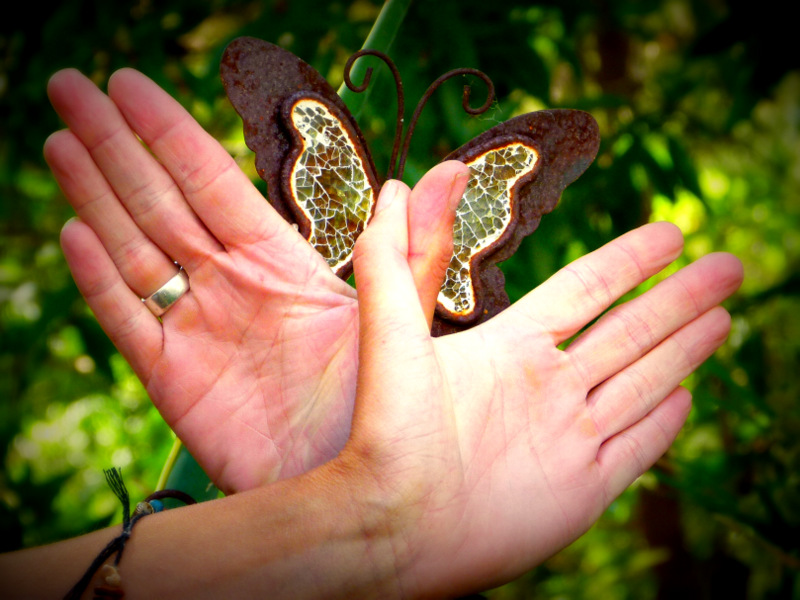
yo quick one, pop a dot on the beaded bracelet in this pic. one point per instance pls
(112, 587)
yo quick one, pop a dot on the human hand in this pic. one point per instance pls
(471, 457)
(491, 449)
(254, 368)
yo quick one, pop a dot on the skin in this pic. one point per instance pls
(523, 445)
(468, 458)
(455, 478)
(262, 350)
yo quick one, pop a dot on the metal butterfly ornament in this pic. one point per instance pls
(321, 177)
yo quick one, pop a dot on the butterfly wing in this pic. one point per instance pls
(518, 171)
(320, 175)
(308, 147)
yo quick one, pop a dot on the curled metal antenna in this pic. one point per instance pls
(464, 103)
(398, 131)
(398, 128)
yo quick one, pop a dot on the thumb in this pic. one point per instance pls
(387, 296)
(396, 369)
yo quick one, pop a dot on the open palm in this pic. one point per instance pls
(493, 448)
(254, 368)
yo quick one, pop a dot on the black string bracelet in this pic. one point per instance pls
(148, 506)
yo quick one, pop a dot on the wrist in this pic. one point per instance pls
(388, 515)
(329, 533)
(377, 524)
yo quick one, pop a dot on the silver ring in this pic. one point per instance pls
(168, 294)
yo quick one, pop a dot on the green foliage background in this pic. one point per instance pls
(699, 108)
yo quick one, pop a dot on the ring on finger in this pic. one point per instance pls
(168, 294)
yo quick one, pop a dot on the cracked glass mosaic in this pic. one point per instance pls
(483, 214)
(329, 182)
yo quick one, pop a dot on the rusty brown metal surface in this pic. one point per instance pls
(567, 141)
(259, 77)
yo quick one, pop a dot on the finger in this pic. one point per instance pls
(384, 281)
(120, 312)
(394, 337)
(431, 214)
(144, 187)
(581, 291)
(141, 263)
(214, 185)
(628, 396)
(634, 328)
(633, 451)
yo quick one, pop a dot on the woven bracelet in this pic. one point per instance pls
(112, 587)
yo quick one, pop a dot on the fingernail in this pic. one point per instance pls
(69, 222)
(456, 184)
(388, 194)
